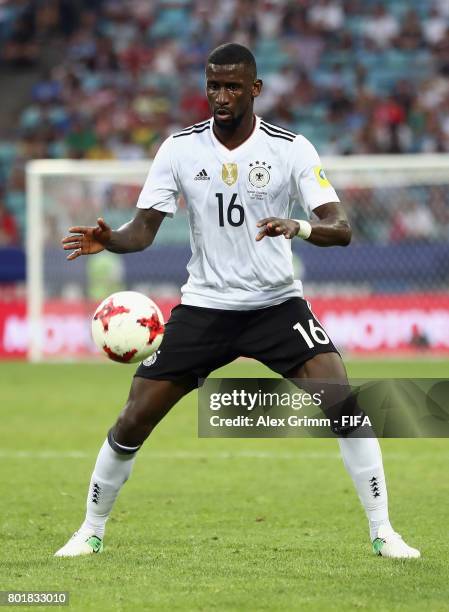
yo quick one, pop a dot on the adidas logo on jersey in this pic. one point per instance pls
(202, 176)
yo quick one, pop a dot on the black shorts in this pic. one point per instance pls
(200, 340)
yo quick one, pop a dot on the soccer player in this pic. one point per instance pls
(240, 177)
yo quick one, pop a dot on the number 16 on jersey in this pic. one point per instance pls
(235, 213)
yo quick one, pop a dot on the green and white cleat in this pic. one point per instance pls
(390, 544)
(81, 543)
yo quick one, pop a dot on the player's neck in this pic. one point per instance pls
(232, 139)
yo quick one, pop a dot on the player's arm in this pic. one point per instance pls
(310, 186)
(135, 235)
(331, 229)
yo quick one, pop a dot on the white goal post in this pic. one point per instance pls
(365, 174)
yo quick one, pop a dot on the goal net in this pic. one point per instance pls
(386, 293)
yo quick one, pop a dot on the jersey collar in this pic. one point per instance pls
(238, 150)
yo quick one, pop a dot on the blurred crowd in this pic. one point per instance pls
(355, 76)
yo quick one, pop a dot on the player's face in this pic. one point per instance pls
(231, 90)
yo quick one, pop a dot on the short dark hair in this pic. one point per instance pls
(233, 53)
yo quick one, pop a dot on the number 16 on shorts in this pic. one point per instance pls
(312, 336)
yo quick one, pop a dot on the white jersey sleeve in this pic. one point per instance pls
(160, 190)
(309, 178)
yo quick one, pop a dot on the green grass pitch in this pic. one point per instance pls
(215, 524)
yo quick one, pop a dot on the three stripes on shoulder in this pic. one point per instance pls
(271, 130)
(276, 132)
(194, 129)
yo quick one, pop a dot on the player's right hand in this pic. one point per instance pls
(87, 240)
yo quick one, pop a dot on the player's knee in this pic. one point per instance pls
(134, 424)
(148, 403)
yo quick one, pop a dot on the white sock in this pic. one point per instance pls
(363, 460)
(111, 471)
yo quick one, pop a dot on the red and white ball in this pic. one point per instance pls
(128, 327)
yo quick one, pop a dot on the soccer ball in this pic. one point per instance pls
(128, 327)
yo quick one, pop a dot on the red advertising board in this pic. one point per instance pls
(65, 330)
(369, 325)
(387, 323)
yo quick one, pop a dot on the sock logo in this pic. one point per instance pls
(374, 487)
(96, 490)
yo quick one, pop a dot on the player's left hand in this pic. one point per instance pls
(273, 227)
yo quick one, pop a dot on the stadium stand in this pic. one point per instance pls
(353, 76)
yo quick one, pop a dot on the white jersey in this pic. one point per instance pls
(227, 192)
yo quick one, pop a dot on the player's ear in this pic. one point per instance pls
(257, 88)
